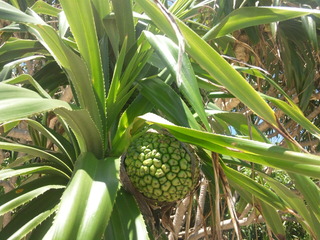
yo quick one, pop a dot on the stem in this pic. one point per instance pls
(230, 203)
(179, 218)
(189, 216)
(215, 161)
(227, 225)
(202, 198)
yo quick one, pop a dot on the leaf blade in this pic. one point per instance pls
(162, 96)
(31, 215)
(30, 169)
(80, 16)
(212, 62)
(29, 191)
(125, 212)
(11, 13)
(253, 16)
(88, 200)
(73, 65)
(254, 188)
(253, 151)
(168, 52)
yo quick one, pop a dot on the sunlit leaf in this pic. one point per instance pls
(11, 13)
(74, 66)
(29, 191)
(7, 69)
(296, 203)
(125, 127)
(252, 16)
(30, 169)
(253, 151)
(25, 78)
(19, 48)
(212, 62)
(59, 159)
(80, 16)
(168, 52)
(87, 203)
(162, 96)
(296, 114)
(254, 188)
(85, 129)
(42, 7)
(31, 215)
(124, 21)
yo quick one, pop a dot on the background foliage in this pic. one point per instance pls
(238, 80)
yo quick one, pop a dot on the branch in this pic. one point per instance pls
(20, 134)
(246, 210)
(217, 213)
(230, 203)
(7, 185)
(315, 113)
(227, 104)
(200, 207)
(188, 219)
(310, 143)
(226, 225)
(179, 218)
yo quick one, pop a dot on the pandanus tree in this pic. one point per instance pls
(103, 72)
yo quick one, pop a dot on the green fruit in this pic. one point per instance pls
(161, 168)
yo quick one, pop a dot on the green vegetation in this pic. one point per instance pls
(237, 81)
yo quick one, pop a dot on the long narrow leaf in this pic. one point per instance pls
(254, 188)
(74, 66)
(13, 103)
(7, 69)
(289, 107)
(240, 123)
(162, 96)
(115, 83)
(42, 7)
(29, 191)
(30, 169)
(11, 13)
(212, 62)
(253, 151)
(87, 203)
(273, 219)
(168, 52)
(126, 221)
(253, 16)
(25, 78)
(38, 152)
(124, 20)
(80, 16)
(101, 9)
(296, 203)
(296, 114)
(111, 100)
(85, 129)
(31, 215)
(40, 231)
(310, 191)
(62, 144)
(122, 137)
(19, 48)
